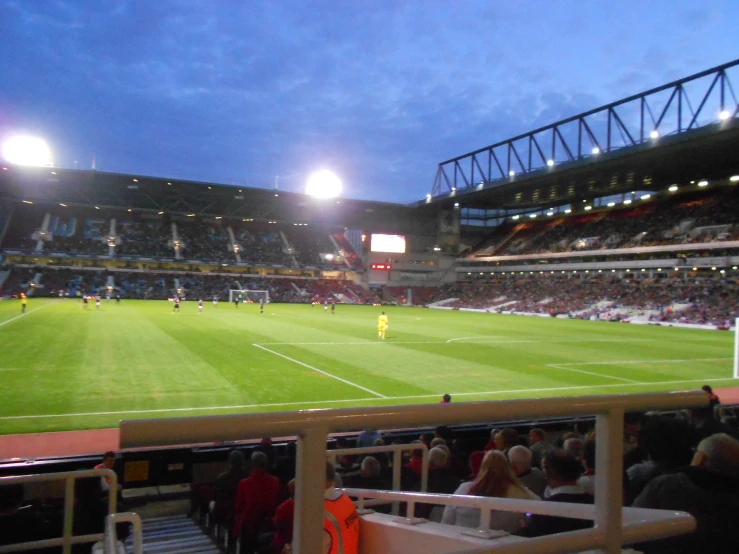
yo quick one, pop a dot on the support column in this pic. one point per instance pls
(111, 249)
(44, 231)
(308, 533)
(609, 459)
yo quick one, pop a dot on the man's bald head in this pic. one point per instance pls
(719, 452)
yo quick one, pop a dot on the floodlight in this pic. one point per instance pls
(611, 204)
(511, 173)
(627, 202)
(724, 115)
(703, 183)
(595, 150)
(515, 217)
(454, 189)
(734, 178)
(646, 196)
(550, 163)
(567, 211)
(533, 216)
(654, 134)
(588, 208)
(323, 184)
(456, 204)
(26, 150)
(673, 188)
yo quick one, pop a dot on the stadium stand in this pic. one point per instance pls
(205, 241)
(697, 300)
(708, 216)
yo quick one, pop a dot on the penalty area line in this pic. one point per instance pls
(22, 315)
(326, 373)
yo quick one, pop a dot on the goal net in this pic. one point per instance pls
(254, 296)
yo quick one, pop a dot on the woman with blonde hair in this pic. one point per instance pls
(495, 478)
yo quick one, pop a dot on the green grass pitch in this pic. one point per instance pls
(66, 368)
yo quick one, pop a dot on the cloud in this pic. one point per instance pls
(379, 91)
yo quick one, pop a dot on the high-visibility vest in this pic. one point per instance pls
(341, 523)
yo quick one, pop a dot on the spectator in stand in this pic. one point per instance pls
(704, 423)
(587, 480)
(416, 463)
(495, 479)
(368, 438)
(573, 446)
(708, 490)
(107, 463)
(225, 487)
(491, 442)
(341, 522)
(441, 480)
(446, 399)
(275, 541)
(712, 397)
(538, 446)
(370, 476)
(667, 445)
(506, 439)
(562, 472)
(476, 458)
(531, 478)
(256, 501)
(266, 446)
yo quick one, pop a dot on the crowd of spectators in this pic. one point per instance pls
(204, 241)
(261, 245)
(145, 238)
(702, 217)
(711, 301)
(312, 247)
(678, 461)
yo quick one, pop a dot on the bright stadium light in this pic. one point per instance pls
(550, 163)
(645, 196)
(724, 115)
(627, 202)
(611, 204)
(734, 178)
(703, 183)
(512, 173)
(595, 150)
(27, 150)
(654, 134)
(673, 188)
(323, 184)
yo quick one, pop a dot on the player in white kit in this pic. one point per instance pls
(200, 306)
(215, 301)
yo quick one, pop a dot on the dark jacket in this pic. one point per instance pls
(711, 497)
(540, 525)
(224, 493)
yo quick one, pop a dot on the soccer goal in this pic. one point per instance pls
(248, 295)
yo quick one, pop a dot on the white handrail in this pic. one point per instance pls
(312, 428)
(396, 449)
(639, 524)
(67, 539)
(111, 535)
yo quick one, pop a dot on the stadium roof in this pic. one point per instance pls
(680, 131)
(156, 194)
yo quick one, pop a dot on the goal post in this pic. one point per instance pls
(248, 295)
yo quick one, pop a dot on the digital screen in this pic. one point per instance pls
(388, 243)
(381, 266)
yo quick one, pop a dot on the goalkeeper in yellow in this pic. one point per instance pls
(381, 326)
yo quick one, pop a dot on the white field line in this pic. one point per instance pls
(644, 361)
(320, 371)
(311, 402)
(22, 315)
(391, 342)
(474, 338)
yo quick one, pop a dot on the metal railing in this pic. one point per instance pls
(313, 426)
(111, 538)
(397, 450)
(639, 524)
(69, 477)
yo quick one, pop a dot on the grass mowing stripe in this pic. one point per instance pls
(327, 374)
(559, 366)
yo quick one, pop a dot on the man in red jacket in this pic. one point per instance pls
(256, 500)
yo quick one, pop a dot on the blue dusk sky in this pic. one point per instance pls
(377, 91)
